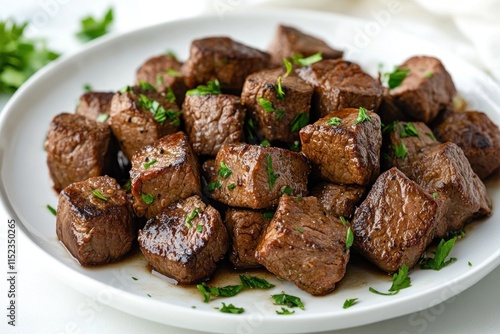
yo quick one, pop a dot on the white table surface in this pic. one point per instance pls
(47, 305)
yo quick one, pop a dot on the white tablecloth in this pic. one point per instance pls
(46, 305)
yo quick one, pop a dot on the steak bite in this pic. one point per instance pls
(340, 84)
(476, 135)
(185, 241)
(245, 228)
(95, 106)
(141, 116)
(221, 58)
(426, 89)
(395, 223)
(338, 200)
(162, 173)
(345, 146)
(255, 177)
(78, 148)
(404, 142)
(163, 72)
(278, 102)
(212, 121)
(289, 42)
(443, 170)
(94, 220)
(304, 245)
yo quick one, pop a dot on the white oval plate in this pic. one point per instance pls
(110, 64)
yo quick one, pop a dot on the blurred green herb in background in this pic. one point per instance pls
(92, 28)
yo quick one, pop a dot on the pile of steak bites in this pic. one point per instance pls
(282, 159)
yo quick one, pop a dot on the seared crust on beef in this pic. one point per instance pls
(338, 200)
(94, 104)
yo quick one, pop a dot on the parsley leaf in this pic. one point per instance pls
(147, 86)
(92, 28)
(265, 143)
(409, 130)
(254, 282)
(343, 220)
(268, 214)
(87, 88)
(51, 209)
(211, 88)
(396, 77)
(270, 172)
(299, 121)
(169, 94)
(231, 186)
(288, 66)
(214, 185)
(226, 291)
(173, 72)
(224, 171)
(349, 239)
(301, 61)
(438, 262)
(150, 163)
(334, 121)
(431, 136)
(159, 113)
(400, 151)
(400, 280)
(350, 302)
(148, 198)
(295, 146)
(287, 190)
(288, 300)
(231, 309)
(102, 118)
(362, 116)
(99, 195)
(192, 216)
(284, 311)
(279, 89)
(266, 104)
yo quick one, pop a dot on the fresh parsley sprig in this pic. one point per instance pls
(211, 88)
(400, 281)
(288, 300)
(92, 28)
(439, 261)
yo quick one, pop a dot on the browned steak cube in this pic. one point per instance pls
(345, 146)
(280, 103)
(444, 170)
(95, 221)
(163, 72)
(338, 200)
(404, 142)
(221, 58)
(305, 245)
(162, 173)
(212, 121)
(78, 148)
(289, 42)
(245, 228)
(426, 88)
(95, 106)
(388, 111)
(395, 223)
(255, 177)
(340, 84)
(476, 135)
(141, 116)
(185, 241)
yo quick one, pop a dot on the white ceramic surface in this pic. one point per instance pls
(110, 64)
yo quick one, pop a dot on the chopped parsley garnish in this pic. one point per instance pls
(295, 146)
(301, 61)
(20, 57)
(469, 264)
(279, 114)
(92, 28)
(128, 185)
(428, 75)
(214, 185)
(288, 300)
(266, 104)
(51, 209)
(211, 88)
(270, 172)
(191, 216)
(224, 171)
(159, 79)
(349, 239)
(288, 66)
(299, 121)
(400, 281)
(102, 118)
(135, 278)
(287, 190)
(250, 128)
(87, 88)
(439, 261)
(284, 311)
(435, 195)
(150, 163)
(279, 89)
(343, 220)
(149, 295)
(147, 86)
(171, 53)
(159, 113)
(231, 309)
(334, 121)
(98, 194)
(362, 116)
(148, 198)
(396, 77)
(349, 302)
(409, 130)
(199, 228)
(299, 199)
(126, 89)
(268, 214)
(400, 151)
(390, 127)
(227, 291)
(169, 94)
(173, 72)
(431, 136)
(231, 186)
(254, 282)
(265, 143)
(300, 230)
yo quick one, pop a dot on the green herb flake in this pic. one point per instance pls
(299, 121)
(126, 89)
(349, 302)
(435, 195)
(99, 195)
(301, 61)
(300, 230)
(390, 127)
(159, 79)
(409, 130)
(288, 66)
(270, 172)
(299, 199)
(287, 190)
(343, 220)
(349, 240)
(202, 288)
(91, 28)
(211, 88)
(101, 118)
(227, 291)
(469, 264)
(396, 77)
(173, 72)
(265, 143)
(362, 116)
(217, 184)
(295, 146)
(439, 261)
(150, 163)
(128, 185)
(266, 104)
(159, 113)
(431, 136)
(169, 94)
(400, 151)
(280, 113)
(199, 228)
(288, 300)
(400, 281)
(147, 86)
(191, 216)
(171, 53)
(231, 186)
(279, 89)
(231, 309)
(224, 171)
(254, 282)
(334, 121)
(52, 210)
(135, 278)
(268, 214)
(428, 75)
(284, 311)
(149, 295)
(148, 198)
(87, 88)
